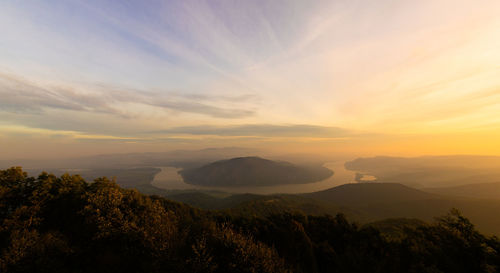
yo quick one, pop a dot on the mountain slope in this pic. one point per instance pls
(430, 171)
(253, 171)
(376, 201)
(482, 190)
(363, 202)
(358, 194)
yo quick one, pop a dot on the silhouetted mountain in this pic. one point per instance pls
(204, 200)
(482, 190)
(126, 177)
(430, 171)
(177, 158)
(357, 194)
(253, 171)
(376, 201)
(363, 202)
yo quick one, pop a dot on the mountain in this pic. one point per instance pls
(205, 200)
(363, 203)
(125, 177)
(396, 228)
(65, 224)
(253, 171)
(429, 171)
(177, 158)
(258, 205)
(377, 201)
(482, 190)
(358, 194)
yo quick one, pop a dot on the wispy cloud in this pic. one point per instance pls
(264, 130)
(19, 95)
(217, 70)
(30, 131)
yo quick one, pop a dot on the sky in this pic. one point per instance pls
(343, 77)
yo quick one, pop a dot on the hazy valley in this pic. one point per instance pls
(402, 188)
(254, 136)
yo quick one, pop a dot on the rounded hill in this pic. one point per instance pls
(253, 171)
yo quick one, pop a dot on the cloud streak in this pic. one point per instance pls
(222, 70)
(264, 130)
(20, 96)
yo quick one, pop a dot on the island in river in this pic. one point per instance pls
(253, 171)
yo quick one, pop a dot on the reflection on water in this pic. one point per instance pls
(367, 178)
(169, 179)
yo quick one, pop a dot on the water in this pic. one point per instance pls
(367, 178)
(169, 179)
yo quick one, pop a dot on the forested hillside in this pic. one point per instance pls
(253, 171)
(66, 224)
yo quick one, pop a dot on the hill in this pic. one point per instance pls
(482, 190)
(430, 171)
(360, 202)
(125, 177)
(64, 224)
(253, 171)
(205, 200)
(258, 205)
(395, 228)
(358, 194)
(363, 203)
(176, 158)
(377, 201)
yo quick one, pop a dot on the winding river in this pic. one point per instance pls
(169, 179)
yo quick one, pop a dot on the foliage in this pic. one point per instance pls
(64, 224)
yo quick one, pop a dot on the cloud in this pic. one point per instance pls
(264, 130)
(22, 131)
(23, 96)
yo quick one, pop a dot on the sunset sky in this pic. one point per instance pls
(341, 77)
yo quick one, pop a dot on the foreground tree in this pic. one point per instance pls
(64, 224)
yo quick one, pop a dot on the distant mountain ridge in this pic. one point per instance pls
(253, 171)
(362, 202)
(430, 171)
(177, 158)
(480, 190)
(356, 194)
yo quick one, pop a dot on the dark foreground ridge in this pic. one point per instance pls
(64, 224)
(253, 171)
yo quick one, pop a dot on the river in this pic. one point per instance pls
(169, 179)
